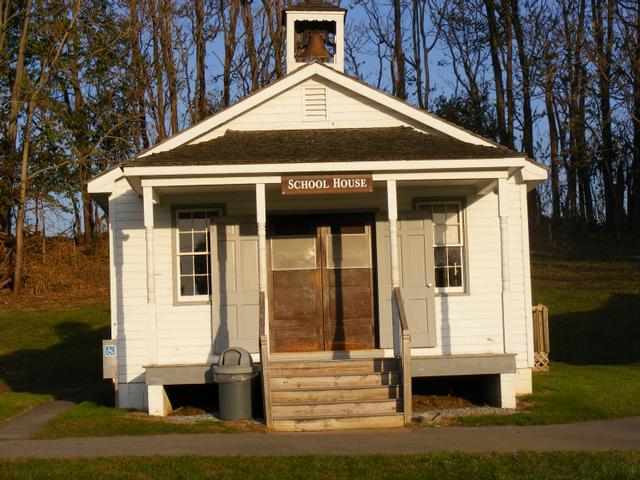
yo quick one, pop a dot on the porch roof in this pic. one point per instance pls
(321, 145)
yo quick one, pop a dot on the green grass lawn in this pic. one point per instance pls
(94, 419)
(572, 393)
(524, 466)
(48, 354)
(594, 323)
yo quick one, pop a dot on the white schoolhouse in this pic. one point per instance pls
(348, 240)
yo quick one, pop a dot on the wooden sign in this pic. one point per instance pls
(326, 184)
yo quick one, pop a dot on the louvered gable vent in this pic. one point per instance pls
(315, 103)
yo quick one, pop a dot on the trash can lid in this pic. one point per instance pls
(236, 357)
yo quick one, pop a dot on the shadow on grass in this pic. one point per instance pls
(66, 368)
(609, 335)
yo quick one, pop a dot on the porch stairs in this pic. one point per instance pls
(335, 394)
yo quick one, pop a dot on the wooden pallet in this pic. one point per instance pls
(541, 338)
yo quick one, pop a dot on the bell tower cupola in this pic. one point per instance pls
(315, 33)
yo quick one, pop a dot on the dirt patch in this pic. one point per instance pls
(187, 412)
(180, 416)
(423, 403)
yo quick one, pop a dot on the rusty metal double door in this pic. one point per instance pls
(321, 283)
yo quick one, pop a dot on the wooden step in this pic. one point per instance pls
(338, 423)
(329, 394)
(348, 380)
(319, 367)
(309, 409)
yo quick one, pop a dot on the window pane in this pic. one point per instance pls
(199, 221)
(184, 221)
(199, 242)
(200, 262)
(186, 286)
(455, 277)
(441, 277)
(440, 234)
(348, 251)
(212, 214)
(440, 256)
(452, 214)
(202, 285)
(186, 265)
(454, 256)
(293, 253)
(453, 235)
(186, 244)
(439, 214)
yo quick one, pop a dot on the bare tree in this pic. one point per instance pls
(49, 63)
(229, 24)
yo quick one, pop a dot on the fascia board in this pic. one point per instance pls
(261, 169)
(104, 183)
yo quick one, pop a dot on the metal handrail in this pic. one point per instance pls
(404, 335)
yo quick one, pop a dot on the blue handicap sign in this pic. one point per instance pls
(110, 351)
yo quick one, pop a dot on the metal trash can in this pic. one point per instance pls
(233, 375)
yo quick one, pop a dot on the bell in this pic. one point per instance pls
(315, 48)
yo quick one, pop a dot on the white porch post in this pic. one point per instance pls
(261, 215)
(504, 263)
(392, 209)
(152, 347)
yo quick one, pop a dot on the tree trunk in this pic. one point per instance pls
(140, 77)
(168, 61)
(416, 41)
(273, 11)
(603, 49)
(200, 103)
(250, 44)
(5, 15)
(527, 116)
(229, 31)
(158, 106)
(22, 203)
(508, 68)
(634, 174)
(8, 168)
(398, 53)
(494, 49)
(549, 102)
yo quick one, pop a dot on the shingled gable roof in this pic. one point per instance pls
(316, 6)
(324, 145)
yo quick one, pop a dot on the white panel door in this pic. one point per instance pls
(234, 285)
(417, 277)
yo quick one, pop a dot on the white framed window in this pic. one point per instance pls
(448, 244)
(193, 252)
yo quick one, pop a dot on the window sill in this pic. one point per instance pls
(452, 294)
(186, 302)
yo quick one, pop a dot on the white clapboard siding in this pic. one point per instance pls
(465, 324)
(344, 109)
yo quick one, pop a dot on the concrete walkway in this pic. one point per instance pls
(25, 425)
(621, 434)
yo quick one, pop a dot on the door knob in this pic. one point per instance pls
(429, 285)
